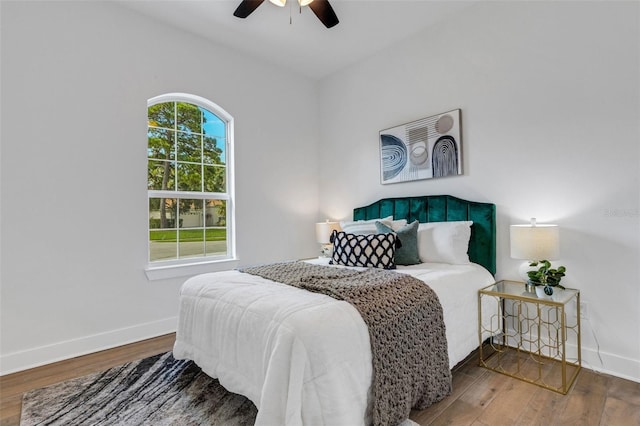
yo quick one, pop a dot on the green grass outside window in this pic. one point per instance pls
(188, 235)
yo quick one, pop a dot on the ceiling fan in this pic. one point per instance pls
(321, 8)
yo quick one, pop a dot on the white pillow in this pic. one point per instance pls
(367, 227)
(444, 242)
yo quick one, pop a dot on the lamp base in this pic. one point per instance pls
(523, 269)
(326, 250)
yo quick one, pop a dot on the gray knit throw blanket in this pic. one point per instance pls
(407, 333)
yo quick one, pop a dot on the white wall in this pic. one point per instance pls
(550, 101)
(76, 77)
(550, 104)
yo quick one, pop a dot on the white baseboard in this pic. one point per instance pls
(592, 359)
(35, 357)
(614, 365)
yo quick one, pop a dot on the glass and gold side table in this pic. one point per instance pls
(533, 339)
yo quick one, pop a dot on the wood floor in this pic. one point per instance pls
(480, 397)
(483, 397)
(12, 386)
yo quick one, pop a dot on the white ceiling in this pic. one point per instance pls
(305, 45)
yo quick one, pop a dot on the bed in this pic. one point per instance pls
(306, 358)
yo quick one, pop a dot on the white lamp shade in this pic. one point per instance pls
(324, 231)
(535, 242)
(304, 2)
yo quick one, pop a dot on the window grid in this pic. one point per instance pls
(210, 200)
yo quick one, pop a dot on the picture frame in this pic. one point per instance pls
(422, 149)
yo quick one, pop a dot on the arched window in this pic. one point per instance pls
(189, 180)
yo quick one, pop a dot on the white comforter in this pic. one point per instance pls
(302, 357)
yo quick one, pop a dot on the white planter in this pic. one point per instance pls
(541, 294)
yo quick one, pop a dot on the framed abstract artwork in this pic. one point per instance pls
(422, 149)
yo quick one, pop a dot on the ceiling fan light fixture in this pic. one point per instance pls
(321, 8)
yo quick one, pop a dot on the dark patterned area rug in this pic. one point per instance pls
(159, 390)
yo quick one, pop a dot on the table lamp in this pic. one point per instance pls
(534, 242)
(323, 235)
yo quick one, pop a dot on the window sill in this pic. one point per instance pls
(188, 269)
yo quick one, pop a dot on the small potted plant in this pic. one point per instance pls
(546, 276)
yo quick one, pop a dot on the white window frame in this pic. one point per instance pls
(191, 266)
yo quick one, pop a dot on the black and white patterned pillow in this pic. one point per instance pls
(374, 250)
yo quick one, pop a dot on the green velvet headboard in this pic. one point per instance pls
(443, 208)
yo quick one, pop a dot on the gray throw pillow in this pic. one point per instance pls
(408, 235)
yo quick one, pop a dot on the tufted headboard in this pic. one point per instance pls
(443, 208)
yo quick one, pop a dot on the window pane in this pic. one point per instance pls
(191, 215)
(189, 118)
(161, 175)
(216, 213)
(216, 244)
(160, 143)
(212, 125)
(189, 177)
(162, 115)
(191, 243)
(162, 215)
(191, 233)
(160, 249)
(214, 150)
(162, 229)
(215, 179)
(216, 232)
(189, 147)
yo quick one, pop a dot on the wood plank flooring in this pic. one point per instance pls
(480, 397)
(483, 397)
(12, 386)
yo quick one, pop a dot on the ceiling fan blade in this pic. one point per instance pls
(324, 12)
(246, 8)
